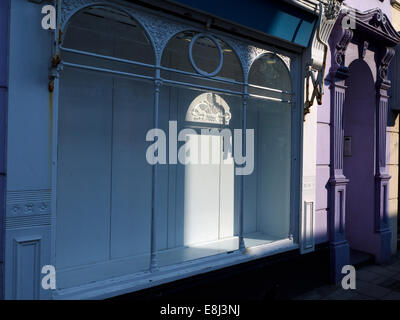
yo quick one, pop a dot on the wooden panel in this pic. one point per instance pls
(274, 149)
(84, 168)
(131, 174)
(26, 268)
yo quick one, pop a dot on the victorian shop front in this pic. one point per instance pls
(83, 197)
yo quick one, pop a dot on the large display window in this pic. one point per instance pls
(220, 178)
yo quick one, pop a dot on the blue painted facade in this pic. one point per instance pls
(29, 144)
(4, 15)
(30, 230)
(275, 18)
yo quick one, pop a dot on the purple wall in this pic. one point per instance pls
(364, 5)
(323, 133)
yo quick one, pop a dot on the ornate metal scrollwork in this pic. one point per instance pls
(160, 30)
(248, 54)
(318, 51)
(69, 7)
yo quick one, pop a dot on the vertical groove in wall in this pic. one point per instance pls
(338, 134)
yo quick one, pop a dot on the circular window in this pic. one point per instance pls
(205, 54)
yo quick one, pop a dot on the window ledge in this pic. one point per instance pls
(143, 280)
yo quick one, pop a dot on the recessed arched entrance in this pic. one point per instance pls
(359, 158)
(359, 179)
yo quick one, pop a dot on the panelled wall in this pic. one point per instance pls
(28, 204)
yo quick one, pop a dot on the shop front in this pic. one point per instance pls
(171, 144)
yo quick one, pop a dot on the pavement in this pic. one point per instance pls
(373, 282)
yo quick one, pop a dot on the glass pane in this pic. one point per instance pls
(104, 183)
(271, 72)
(176, 53)
(111, 33)
(206, 56)
(267, 190)
(199, 200)
(104, 180)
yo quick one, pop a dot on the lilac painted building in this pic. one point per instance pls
(352, 147)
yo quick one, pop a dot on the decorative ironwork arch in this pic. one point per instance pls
(161, 31)
(70, 8)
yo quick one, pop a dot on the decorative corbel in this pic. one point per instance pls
(317, 54)
(338, 62)
(386, 57)
(362, 49)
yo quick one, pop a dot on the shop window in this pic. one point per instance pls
(104, 181)
(202, 206)
(267, 195)
(201, 199)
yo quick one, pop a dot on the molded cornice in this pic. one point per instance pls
(378, 25)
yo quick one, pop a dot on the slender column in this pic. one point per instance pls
(382, 177)
(153, 258)
(242, 246)
(339, 247)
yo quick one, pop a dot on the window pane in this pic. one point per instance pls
(267, 193)
(110, 33)
(199, 201)
(271, 72)
(104, 183)
(205, 55)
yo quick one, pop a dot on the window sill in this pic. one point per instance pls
(143, 280)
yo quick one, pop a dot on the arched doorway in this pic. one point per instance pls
(359, 158)
(359, 179)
